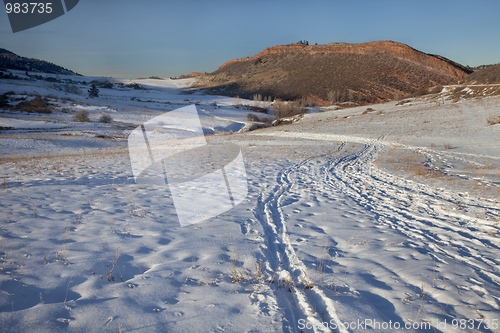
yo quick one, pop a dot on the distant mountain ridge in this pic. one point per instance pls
(485, 74)
(369, 72)
(10, 60)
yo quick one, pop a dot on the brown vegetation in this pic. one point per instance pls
(81, 116)
(485, 74)
(38, 105)
(334, 73)
(493, 120)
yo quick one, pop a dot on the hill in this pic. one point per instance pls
(337, 72)
(10, 60)
(485, 74)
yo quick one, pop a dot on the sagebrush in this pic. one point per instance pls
(81, 116)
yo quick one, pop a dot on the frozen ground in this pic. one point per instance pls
(374, 218)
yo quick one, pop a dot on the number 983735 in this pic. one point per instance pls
(29, 7)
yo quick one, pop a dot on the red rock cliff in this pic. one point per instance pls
(399, 50)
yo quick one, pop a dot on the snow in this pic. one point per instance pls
(18, 123)
(351, 217)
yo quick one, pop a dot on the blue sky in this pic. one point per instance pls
(130, 39)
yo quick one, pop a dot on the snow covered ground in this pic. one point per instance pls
(356, 219)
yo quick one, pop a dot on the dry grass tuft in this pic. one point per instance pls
(493, 120)
(259, 275)
(109, 273)
(237, 274)
(110, 224)
(413, 164)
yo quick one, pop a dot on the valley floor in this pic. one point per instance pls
(356, 219)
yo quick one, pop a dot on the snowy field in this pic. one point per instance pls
(381, 218)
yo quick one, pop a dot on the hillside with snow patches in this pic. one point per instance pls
(382, 217)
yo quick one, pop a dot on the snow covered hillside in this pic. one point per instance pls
(383, 217)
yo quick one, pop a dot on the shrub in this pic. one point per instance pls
(252, 117)
(38, 105)
(102, 84)
(105, 118)
(267, 120)
(257, 109)
(69, 88)
(288, 109)
(81, 116)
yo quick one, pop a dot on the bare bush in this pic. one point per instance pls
(255, 118)
(71, 88)
(252, 117)
(267, 120)
(336, 96)
(81, 116)
(68, 88)
(257, 109)
(105, 118)
(288, 109)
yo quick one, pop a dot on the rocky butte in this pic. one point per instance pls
(367, 72)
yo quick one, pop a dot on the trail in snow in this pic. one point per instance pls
(417, 211)
(288, 272)
(437, 242)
